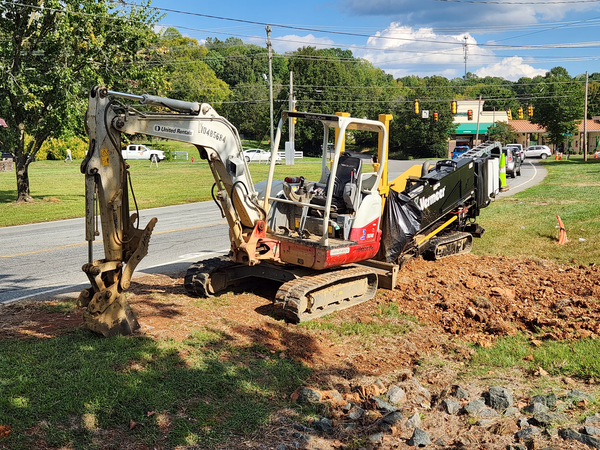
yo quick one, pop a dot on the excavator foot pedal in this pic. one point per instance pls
(117, 319)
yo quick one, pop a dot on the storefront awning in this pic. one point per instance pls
(471, 128)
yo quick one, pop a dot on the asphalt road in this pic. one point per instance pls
(46, 258)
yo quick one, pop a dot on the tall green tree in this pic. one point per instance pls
(52, 52)
(558, 106)
(189, 76)
(411, 133)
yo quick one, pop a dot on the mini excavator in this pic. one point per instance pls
(329, 242)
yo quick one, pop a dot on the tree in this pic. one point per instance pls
(559, 104)
(502, 132)
(420, 137)
(49, 58)
(190, 78)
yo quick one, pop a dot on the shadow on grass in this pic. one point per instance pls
(77, 390)
(81, 391)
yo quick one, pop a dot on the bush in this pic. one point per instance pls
(56, 149)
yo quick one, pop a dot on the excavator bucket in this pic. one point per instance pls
(109, 318)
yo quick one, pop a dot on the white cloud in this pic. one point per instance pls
(510, 69)
(402, 50)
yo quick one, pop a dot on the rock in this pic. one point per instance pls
(591, 431)
(535, 408)
(516, 447)
(526, 433)
(474, 406)
(523, 423)
(308, 395)
(282, 431)
(499, 398)
(512, 411)
(451, 406)
(324, 424)
(413, 421)
(392, 418)
(356, 413)
(419, 438)
(488, 413)
(396, 395)
(347, 407)
(382, 405)
(578, 395)
(569, 434)
(281, 447)
(591, 420)
(542, 419)
(301, 437)
(302, 428)
(461, 394)
(548, 400)
(376, 438)
(440, 442)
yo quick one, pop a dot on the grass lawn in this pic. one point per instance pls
(58, 188)
(525, 224)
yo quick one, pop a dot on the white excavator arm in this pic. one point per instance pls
(107, 191)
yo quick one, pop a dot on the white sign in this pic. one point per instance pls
(425, 114)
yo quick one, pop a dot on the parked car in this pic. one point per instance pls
(258, 155)
(6, 155)
(518, 149)
(142, 152)
(459, 150)
(513, 162)
(538, 151)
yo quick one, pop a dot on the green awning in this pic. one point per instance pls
(471, 128)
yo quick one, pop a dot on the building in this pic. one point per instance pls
(473, 123)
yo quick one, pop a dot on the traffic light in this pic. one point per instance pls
(520, 112)
(530, 111)
(509, 114)
(453, 106)
(416, 106)
(294, 119)
(470, 114)
(435, 116)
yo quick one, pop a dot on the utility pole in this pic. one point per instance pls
(270, 49)
(585, 147)
(466, 50)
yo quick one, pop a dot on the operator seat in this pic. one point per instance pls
(346, 189)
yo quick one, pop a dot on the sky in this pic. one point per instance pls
(505, 38)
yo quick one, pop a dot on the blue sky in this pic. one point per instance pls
(506, 38)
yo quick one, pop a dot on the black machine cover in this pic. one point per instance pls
(401, 221)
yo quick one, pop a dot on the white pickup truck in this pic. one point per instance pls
(142, 152)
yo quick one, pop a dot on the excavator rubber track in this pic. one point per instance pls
(314, 296)
(455, 243)
(202, 280)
